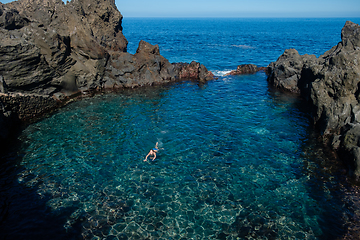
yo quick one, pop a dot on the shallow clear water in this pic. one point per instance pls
(230, 164)
(237, 160)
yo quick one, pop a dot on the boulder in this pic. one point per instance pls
(286, 73)
(331, 84)
(245, 69)
(151, 66)
(193, 71)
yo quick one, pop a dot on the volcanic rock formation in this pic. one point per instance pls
(331, 84)
(246, 69)
(51, 50)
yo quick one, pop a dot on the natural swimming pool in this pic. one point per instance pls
(239, 160)
(231, 165)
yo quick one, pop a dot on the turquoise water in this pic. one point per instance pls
(231, 165)
(237, 160)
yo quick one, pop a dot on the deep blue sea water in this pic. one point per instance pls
(237, 159)
(223, 44)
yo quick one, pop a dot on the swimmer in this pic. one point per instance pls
(153, 152)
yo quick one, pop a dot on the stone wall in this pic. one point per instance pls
(28, 106)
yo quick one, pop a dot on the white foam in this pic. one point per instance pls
(243, 46)
(219, 73)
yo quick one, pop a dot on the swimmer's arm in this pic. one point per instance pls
(147, 156)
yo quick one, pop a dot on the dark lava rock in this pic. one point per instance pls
(286, 72)
(331, 85)
(246, 69)
(51, 51)
(48, 47)
(194, 71)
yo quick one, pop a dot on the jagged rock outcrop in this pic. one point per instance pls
(194, 70)
(246, 69)
(55, 49)
(51, 50)
(331, 84)
(145, 67)
(49, 47)
(288, 71)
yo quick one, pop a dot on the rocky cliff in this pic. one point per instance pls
(50, 51)
(331, 85)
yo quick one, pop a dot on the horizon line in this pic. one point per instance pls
(274, 17)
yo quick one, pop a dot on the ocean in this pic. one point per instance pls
(237, 159)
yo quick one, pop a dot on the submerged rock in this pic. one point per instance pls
(331, 84)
